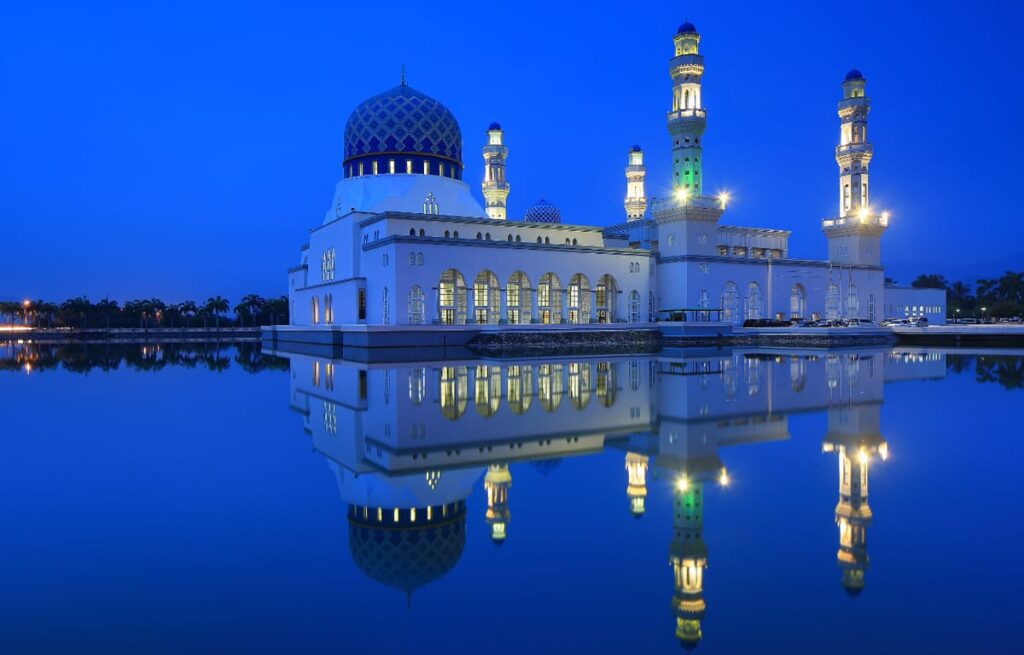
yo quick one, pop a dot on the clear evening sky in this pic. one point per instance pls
(181, 150)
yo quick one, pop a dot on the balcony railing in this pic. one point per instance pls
(880, 220)
(687, 113)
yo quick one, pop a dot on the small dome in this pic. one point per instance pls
(853, 76)
(543, 212)
(635, 149)
(687, 28)
(495, 126)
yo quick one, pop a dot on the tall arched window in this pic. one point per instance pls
(579, 299)
(730, 302)
(832, 302)
(550, 386)
(519, 388)
(797, 301)
(549, 299)
(314, 310)
(852, 302)
(579, 384)
(517, 299)
(486, 298)
(634, 306)
(753, 300)
(454, 391)
(451, 298)
(416, 306)
(606, 295)
(417, 385)
(487, 390)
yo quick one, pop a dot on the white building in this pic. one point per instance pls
(405, 241)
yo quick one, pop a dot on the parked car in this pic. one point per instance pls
(896, 322)
(765, 322)
(858, 322)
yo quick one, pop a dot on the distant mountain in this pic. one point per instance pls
(905, 272)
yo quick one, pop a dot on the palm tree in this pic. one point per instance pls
(250, 305)
(75, 310)
(188, 310)
(277, 308)
(931, 281)
(215, 307)
(987, 291)
(1011, 287)
(959, 297)
(107, 307)
(10, 309)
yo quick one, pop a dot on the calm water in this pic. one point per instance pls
(199, 499)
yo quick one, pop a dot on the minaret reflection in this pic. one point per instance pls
(854, 436)
(497, 481)
(636, 489)
(688, 556)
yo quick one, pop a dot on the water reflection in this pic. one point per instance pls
(409, 443)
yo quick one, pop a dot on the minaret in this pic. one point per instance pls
(688, 556)
(636, 202)
(636, 489)
(495, 186)
(854, 437)
(854, 236)
(687, 120)
(497, 482)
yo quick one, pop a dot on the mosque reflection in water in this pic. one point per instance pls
(409, 442)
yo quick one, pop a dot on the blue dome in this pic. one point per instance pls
(403, 124)
(686, 28)
(853, 75)
(636, 149)
(543, 212)
(495, 126)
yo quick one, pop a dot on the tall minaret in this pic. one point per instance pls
(855, 235)
(496, 483)
(495, 186)
(686, 121)
(636, 202)
(688, 556)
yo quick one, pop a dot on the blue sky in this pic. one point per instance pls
(180, 150)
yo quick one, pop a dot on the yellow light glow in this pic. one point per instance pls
(26, 302)
(682, 484)
(883, 451)
(723, 198)
(862, 456)
(862, 214)
(885, 216)
(723, 479)
(682, 194)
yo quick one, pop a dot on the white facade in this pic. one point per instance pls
(406, 243)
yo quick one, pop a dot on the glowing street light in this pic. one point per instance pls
(723, 479)
(723, 198)
(682, 484)
(682, 194)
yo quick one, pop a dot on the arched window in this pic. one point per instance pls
(518, 238)
(419, 259)
(519, 388)
(329, 308)
(412, 259)
(412, 231)
(605, 296)
(486, 298)
(517, 299)
(385, 318)
(832, 302)
(479, 236)
(550, 386)
(634, 306)
(549, 299)
(539, 240)
(753, 300)
(579, 384)
(547, 240)
(579, 299)
(447, 234)
(416, 306)
(422, 233)
(797, 301)
(487, 390)
(730, 302)
(852, 302)
(454, 391)
(417, 385)
(607, 386)
(455, 234)
(510, 238)
(452, 298)
(314, 309)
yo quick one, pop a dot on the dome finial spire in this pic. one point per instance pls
(402, 81)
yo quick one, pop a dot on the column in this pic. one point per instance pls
(534, 310)
(564, 309)
(503, 317)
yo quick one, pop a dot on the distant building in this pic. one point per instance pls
(405, 241)
(908, 302)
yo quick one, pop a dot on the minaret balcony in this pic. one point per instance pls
(694, 114)
(856, 224)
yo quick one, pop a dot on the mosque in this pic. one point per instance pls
(406, 243)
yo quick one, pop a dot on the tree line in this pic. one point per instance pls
(995, 297)
(253, 310)
(84, 357)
